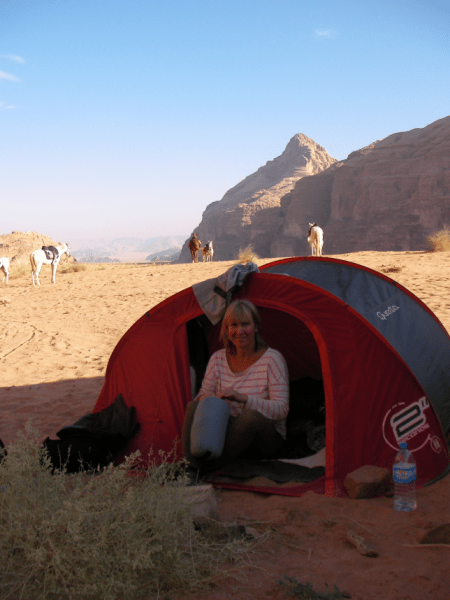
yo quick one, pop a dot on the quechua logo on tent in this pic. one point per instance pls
(388, 312)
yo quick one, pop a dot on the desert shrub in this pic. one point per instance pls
(18, 271)
(391, 268)
(247, 255)
(72, 268)
(105, 535)
(305, 591)
(439, 241)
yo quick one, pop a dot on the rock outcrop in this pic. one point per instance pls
(251, 212)
(390, 195)
(18, 245)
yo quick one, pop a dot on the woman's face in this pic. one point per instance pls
(241, 332)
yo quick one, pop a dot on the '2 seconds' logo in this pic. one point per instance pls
(406, 423)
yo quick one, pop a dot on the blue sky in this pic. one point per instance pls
(128, 117)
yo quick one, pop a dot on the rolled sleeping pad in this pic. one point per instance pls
(209, 427)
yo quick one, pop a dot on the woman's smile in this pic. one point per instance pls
(242, 333)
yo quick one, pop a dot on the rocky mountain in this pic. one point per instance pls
(249, 211)
(388, 196)
(18, 245)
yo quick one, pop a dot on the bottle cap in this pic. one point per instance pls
(403, 445)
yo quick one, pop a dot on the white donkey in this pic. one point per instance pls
(39, 258)
(4, 266)
(315, 239)
(208, 252)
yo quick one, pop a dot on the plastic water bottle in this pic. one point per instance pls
(404, 474)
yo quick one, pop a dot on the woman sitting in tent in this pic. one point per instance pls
(253, 380)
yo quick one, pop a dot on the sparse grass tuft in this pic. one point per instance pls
(247, 255)
(305, 591)
(391, 268)
(439, 241)
(72, 268)
(18, 271)
(102, 535)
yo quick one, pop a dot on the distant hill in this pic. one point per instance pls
(90, 258)
(18, 245)
(170, 254)
(127, 249)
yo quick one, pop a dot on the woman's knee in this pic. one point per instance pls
(253, 421)
(253, 416)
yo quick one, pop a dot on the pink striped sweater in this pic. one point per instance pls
(266, 383)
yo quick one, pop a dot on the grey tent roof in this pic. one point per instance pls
(400, 318)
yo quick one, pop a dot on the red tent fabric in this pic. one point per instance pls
(373, 399)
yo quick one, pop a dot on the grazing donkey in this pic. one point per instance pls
(47, 256)
(315, 239)
(4, 266)
(194, 246)
(208, 252)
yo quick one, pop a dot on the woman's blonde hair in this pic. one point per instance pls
(241, 310)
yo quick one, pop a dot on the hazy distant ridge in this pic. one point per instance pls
(126, 248)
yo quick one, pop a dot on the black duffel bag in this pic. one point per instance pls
(77, 453)
(95, 439)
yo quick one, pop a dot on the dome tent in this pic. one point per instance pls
(382, 354)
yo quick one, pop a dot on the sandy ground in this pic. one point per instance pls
(55, 341)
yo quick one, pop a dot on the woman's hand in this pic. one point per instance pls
(233, 396)
(202, 397)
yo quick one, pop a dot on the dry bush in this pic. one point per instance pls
(72, 268)
(439, 241)
(18, 271)
(391, 268)
(247, 255)
(305, 591)
(102, 535)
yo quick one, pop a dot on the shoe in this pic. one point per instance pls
(193, 476)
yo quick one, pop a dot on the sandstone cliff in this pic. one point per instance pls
(250, 212)
(388, 196)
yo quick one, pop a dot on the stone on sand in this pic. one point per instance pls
(367, 482)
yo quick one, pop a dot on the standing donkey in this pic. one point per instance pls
(315, 239)
(208, 252)
(50, 255)
(4, 266)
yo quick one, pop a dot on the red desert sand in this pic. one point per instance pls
(55, 342)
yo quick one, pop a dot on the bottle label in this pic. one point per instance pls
(404, 474)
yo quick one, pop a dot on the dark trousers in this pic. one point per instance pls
(249, 429)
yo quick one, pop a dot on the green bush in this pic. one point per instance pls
(105, 535)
